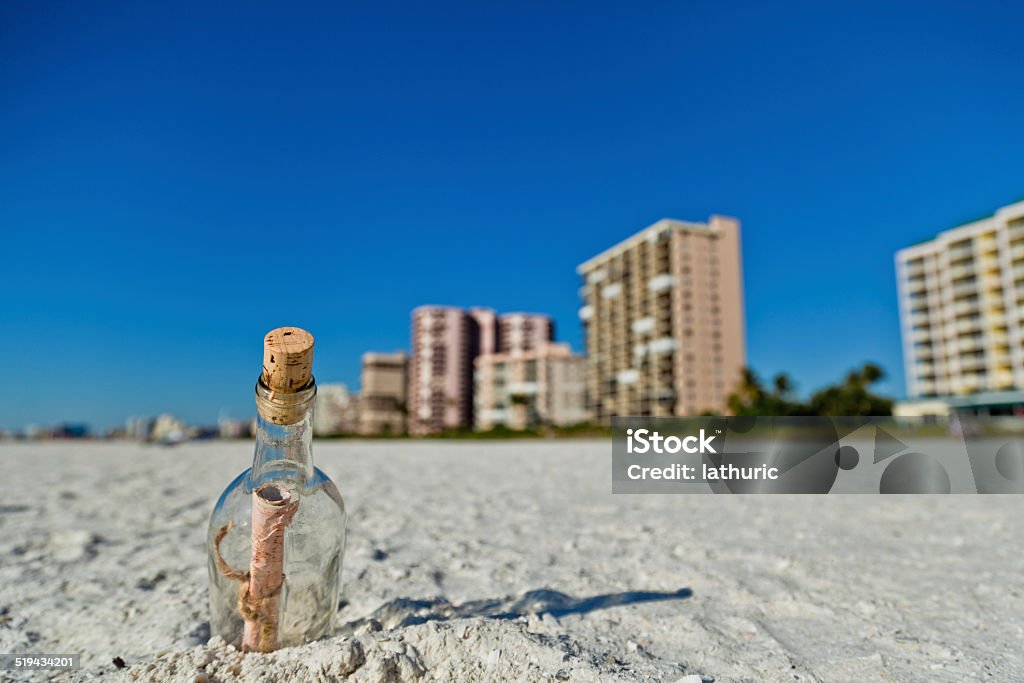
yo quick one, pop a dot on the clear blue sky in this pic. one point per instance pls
(176, 180)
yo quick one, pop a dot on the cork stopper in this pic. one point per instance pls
(287, 359)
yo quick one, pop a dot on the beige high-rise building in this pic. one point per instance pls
(663, 316)
(962, 310)
(382, 397)
(543, 385)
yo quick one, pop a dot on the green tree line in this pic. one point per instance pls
(852, 396)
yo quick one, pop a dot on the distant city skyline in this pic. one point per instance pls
(177, 181)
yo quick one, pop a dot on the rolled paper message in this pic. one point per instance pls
(273, 509)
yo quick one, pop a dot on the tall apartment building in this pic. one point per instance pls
(663, 316)
(962, 309)
(542, 385)
(383, 389)
(445, 340)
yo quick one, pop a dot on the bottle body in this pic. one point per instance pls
(314, 544)
(309, 543)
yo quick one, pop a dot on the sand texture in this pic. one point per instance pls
(478, 561)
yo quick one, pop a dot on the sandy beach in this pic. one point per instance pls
(477, 561)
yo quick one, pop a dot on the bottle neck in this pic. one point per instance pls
(284, 435)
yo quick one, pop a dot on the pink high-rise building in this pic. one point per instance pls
(444, 343)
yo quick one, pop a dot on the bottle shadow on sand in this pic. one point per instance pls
(402, 612)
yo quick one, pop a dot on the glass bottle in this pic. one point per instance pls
(286, 592)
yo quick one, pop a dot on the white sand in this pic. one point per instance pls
(477, 561)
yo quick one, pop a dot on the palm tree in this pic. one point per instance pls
(853, 397)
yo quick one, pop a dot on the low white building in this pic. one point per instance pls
(540, 386)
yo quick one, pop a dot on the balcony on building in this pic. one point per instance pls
(961, 251)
